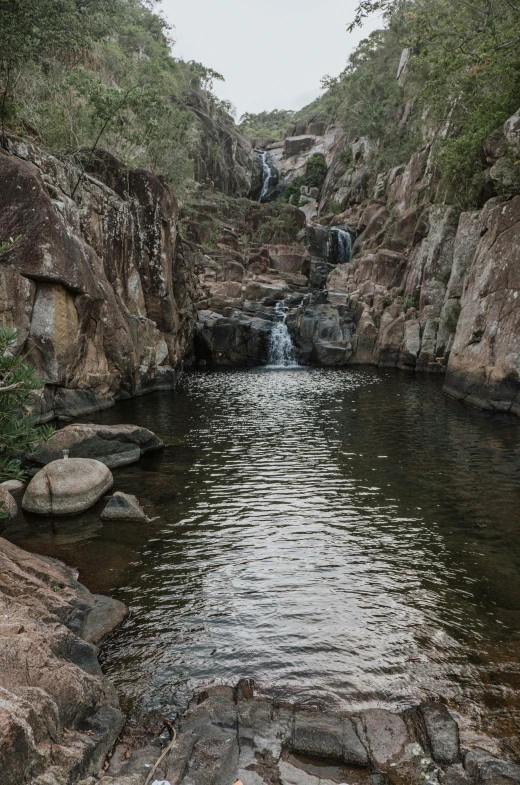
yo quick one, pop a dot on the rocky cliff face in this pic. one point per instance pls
(99, 284)
(430, 288)
(222, 156)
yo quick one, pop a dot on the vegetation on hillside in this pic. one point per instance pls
(76, 74)
(462, 81)
(273, 125)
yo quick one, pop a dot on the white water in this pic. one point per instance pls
(267, 177)
(281, 349)
(344, 245)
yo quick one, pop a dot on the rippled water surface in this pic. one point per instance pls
(346, 538)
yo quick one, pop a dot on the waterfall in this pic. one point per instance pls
(344, 245)
(281, 349)
(267, 173)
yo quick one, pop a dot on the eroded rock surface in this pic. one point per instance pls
(99, 285)
(228, 734)
(59, 716)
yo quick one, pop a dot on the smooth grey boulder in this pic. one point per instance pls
(443, 733)
(113, 445)
(123, 507)
(67, 487)
(12, 485)
(7, 503)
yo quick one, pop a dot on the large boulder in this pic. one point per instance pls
(67, 487)
(113, 445)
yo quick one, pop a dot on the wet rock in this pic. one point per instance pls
(101, 287)
(124, 507)
(113, 445)
(483, 364)
(67, 487)
(442, 732)
(323, 736)
(385, 736)
(8, 505)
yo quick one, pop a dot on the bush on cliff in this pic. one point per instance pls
(19, 433)
(462, 82)
(314, 177)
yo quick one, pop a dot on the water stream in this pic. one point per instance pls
(344, 241)
(281, 349)
(267, 174)
(347, 538)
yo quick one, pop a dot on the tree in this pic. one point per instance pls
(29, 29)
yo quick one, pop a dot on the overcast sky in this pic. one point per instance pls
(272, 53)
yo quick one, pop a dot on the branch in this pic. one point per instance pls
(10, 387)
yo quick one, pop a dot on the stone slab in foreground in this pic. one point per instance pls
(228, 734)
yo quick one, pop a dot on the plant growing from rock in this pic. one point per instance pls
(19, 433)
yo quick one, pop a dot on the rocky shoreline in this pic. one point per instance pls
(60, 719)
(59, 716)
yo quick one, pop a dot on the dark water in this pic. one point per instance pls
(346, 538)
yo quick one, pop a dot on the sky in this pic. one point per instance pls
(272, 53)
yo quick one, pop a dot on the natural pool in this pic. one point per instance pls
(346, 538)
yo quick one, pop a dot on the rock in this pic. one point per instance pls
(290, 259)
(297, 144)
(12, 485)
(67, 487)
(59, 716)
(319, 735)
(455, 775)
(8, 505)
(124, 507)
(101, 288)
(489, 770)
(442, 732)
(113, 445)
(385, 736)
(498, 772)
(484, 361)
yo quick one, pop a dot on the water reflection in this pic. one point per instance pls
(346, 538)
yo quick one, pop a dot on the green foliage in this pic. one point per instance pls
(77, 74)
(19, 434)
(410, 302)
(314, 177)
(268, 125)
(463, 74)
(335, 208)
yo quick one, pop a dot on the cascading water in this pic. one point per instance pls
(267, 174)
(281, 349)
(344, 245)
